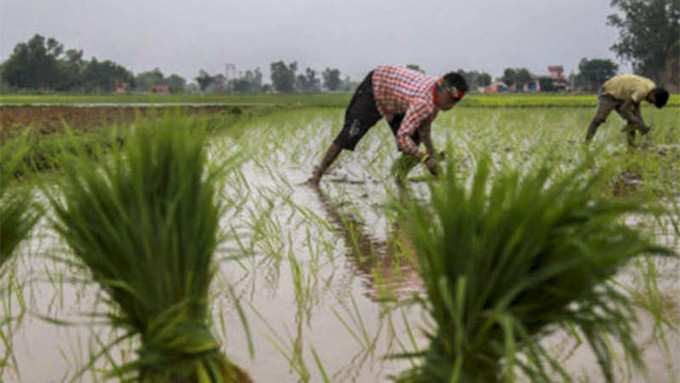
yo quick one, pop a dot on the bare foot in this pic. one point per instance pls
(644, 130)
(313, 182)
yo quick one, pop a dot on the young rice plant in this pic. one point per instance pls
(511, 258)
(146, 225)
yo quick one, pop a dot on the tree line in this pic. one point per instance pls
(42, 64)
(649, 39)
(590, 75)
(284, 79)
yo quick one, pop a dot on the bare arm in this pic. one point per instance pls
(415, 116)
(426, 133)
(630, 111)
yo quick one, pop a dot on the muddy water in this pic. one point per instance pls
(314, 272)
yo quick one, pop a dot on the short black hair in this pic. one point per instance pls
(456, 80)
(660, 97)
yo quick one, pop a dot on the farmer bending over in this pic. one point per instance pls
(409, 101)
(624, 93)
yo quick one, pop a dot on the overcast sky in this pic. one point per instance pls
(352, 35)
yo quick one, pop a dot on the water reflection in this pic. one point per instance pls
(388, 269)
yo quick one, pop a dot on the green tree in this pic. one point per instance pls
(509, 76)
(522, 77)
(283, 76)
(547, 84)
(71, 70)
(204, 79)
(256, 80)
(176, 83)
(517, 77)
(250, 81)
(34, 65)
(103, 76)
(347, 84)
(475, 78)
(308, 82)
(43, 64)
(331, 79)
(484, 79)
(649, 34)
(593, 73)
(145, 80)
(4, 86)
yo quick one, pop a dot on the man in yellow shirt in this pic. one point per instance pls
(624, 93)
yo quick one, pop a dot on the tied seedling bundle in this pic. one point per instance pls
(507, 259)
(145, 223)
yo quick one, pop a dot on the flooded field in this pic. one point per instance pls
(314, 286)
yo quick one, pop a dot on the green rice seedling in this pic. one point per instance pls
(511, 258)
(289, 346)
(146, 225)
(18, 212)
(18, 215)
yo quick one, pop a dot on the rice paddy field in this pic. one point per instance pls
(328, 285)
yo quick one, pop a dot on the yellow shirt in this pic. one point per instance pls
(628, 87)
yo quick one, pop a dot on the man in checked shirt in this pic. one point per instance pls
(408, 100)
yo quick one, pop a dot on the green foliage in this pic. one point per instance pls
(41, 64)
(104, 76)
(547, 84)
(593, 73)
(331, 79)
(517, 77)
(33, 64)
(649, 34)
(308, 82)
(204, 80)
(146, 225)
(37, 152)
(249, 82)
(18, 213)
(283, 76)
(512, 258)
(476, 79)
(146, 80)
(176, 83)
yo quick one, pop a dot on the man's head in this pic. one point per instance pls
(449, 90)
(658, 96)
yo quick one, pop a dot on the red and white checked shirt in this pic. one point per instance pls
(400, 90)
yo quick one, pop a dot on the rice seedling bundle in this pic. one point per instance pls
(509, 259)
(146, 225)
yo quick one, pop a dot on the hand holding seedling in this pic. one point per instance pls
(432, 165)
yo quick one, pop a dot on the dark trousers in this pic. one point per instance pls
(361, 115)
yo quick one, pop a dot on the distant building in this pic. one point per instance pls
(496, 87)
(556, 73)
(160, 89)
(532, 86)
(121, 87)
